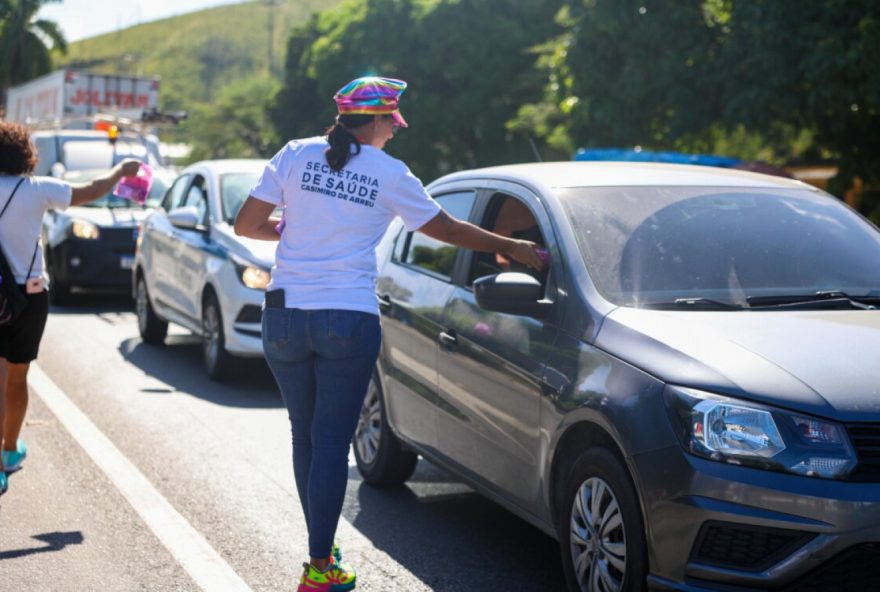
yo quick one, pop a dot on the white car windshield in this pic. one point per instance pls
(234, 189)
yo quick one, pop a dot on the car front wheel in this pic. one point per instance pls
(600, 527)
(381, 459)
(218, 362)
(150, 326)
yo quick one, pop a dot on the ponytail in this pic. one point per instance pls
(341, 139)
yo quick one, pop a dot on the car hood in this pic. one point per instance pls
(820, 362)
(258, 251)
(119, 217)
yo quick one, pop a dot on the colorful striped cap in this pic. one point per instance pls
(371, 95)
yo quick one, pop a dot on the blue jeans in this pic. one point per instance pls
(322, 361)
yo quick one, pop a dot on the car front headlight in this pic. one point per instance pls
(738, 432)
(83, 229)
(251, 275)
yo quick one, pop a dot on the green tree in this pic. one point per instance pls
(770, 79)
(468, 64)
(26, 42)
(236, 124)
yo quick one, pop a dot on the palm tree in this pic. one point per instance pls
(26, 42)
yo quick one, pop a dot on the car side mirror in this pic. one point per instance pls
(186, 217)
(512, 293)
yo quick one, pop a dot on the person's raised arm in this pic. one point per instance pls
(86, 192)
(448, 229)
(253, 220)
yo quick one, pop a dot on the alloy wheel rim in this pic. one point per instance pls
(212, 335)
(598, 540)
(369, 429)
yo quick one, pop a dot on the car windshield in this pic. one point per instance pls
(108, 200)
(234, 189)
(651, 245)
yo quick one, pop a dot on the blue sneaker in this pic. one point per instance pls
(4, 483)
(12, 459)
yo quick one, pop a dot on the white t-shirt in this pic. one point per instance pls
(326, 257)
(20, 225)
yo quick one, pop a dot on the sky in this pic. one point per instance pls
(80, 19)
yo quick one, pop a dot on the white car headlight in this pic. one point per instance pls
(255, 277)
(251, 275)
(739, 432)
(83, 229)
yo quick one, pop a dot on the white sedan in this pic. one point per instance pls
(192, 270)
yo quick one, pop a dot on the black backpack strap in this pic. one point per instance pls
(37, 246)
(9, 201)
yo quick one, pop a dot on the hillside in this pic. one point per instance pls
(196, 54)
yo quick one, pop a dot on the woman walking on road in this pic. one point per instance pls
(24, 199)
(321, 331)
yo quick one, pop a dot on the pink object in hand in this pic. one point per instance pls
(136, 188)
(279, 228)
(544, 256)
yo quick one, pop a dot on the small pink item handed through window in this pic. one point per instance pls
(136, 188)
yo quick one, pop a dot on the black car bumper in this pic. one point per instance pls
(100, 264)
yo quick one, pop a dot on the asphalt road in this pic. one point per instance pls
(219, 455)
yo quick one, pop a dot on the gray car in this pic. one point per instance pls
(687, 397)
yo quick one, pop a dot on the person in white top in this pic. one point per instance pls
(24, 200)
(321, 332)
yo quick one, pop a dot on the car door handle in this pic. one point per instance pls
(448, 339)
(384, 302)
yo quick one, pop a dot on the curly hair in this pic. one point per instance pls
(17, 153)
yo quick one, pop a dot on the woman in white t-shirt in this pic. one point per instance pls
(24, 200)
(321, 331)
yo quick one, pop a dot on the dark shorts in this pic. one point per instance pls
(20, 341)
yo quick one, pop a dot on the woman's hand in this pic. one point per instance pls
(526, 252)
(129, 167)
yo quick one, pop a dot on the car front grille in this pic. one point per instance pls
(866, 440)
(747, 548)
(855, 570)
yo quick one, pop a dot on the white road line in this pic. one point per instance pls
(206, 567)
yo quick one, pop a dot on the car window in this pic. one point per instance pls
(508, 216)
(436, 256)
(174, 197)
(646, 245)
(197, 197)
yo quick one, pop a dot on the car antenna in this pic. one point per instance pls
(535, 150)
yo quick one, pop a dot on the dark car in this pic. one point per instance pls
(91, 247)
(687, 397)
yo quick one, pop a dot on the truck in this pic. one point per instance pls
(66, 95)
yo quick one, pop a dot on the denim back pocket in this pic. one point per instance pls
(276, 326)
(344, 327)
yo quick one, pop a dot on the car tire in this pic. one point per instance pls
(59, 291)
(218, 362)
(381, 459)
(152, 329)
(608, 554)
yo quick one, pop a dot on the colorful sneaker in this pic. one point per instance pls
(4, 483)
(12, 459)
(334, 579)
(337, 553)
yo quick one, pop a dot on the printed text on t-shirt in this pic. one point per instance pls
(356, 188)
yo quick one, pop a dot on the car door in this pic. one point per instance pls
(491, 364)
(158, 245)
(413, 289)
(192, 246)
